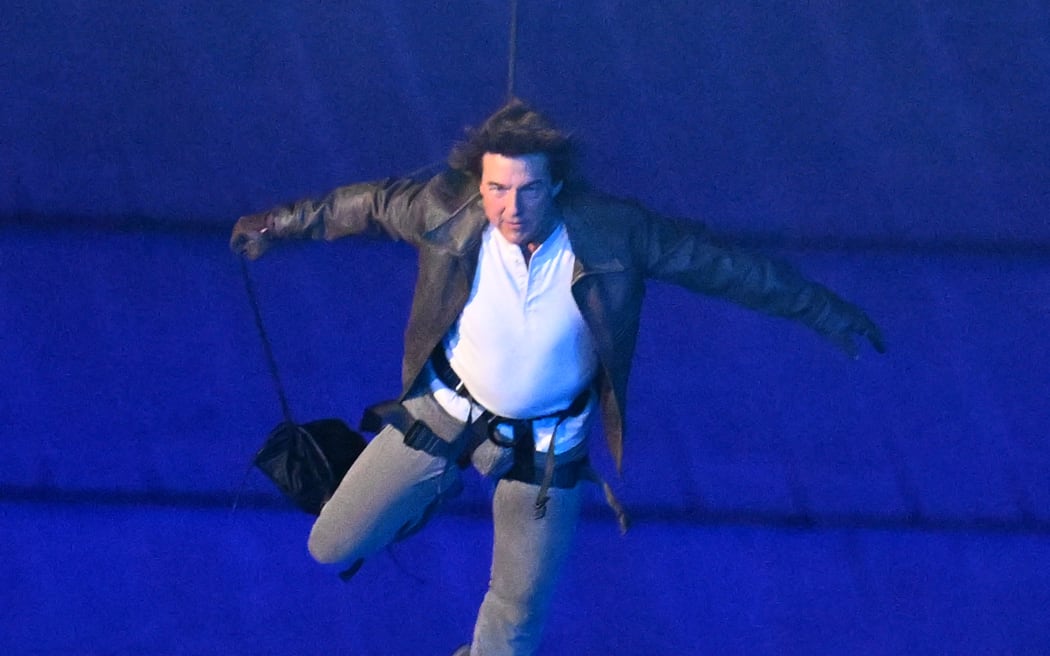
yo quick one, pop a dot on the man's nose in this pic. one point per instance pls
(512, 203)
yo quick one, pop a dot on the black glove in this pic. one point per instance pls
(251, 236)
(842, 321)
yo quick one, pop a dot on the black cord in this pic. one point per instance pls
(254, 301)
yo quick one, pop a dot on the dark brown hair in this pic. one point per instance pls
(516, 129)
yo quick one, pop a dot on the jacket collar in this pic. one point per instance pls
(593, 252)
(458, 232)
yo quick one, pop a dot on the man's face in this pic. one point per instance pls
(518, 196)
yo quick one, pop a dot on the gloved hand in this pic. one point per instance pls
(843, 321)
(250, 236)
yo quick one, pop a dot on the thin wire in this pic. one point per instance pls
(512, 54)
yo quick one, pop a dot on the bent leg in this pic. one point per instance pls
(388, 493)
(527, 557)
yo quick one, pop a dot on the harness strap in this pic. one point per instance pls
(417, 434)
(485, 426)
(524, 439)
(450, 379)
(524, 469)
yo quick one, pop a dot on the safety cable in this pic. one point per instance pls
(512, 52)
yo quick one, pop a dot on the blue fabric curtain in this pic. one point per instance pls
(789, 500)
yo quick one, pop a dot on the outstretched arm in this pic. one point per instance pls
(684, 253)
(838, 320)
(385, 208)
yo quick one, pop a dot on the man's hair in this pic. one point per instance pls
(516, 129)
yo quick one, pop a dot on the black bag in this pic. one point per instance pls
(308, 461)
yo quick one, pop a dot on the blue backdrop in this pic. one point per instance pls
(787, 499)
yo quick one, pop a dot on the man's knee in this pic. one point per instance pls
(328, 549)
(322, 550)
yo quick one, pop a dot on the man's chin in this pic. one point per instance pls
(514, 235)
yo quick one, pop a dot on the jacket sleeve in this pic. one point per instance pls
(398, 209)
(385, 208)
(686, 254)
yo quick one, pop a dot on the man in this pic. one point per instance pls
(522, 330)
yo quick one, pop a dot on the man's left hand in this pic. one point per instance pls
(854, 322)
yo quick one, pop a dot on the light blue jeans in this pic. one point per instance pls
(392, 489)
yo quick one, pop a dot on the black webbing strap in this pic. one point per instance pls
(450, 379)
(417, 434)
(524, 469)
(566, 476)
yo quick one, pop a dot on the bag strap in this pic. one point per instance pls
(265, 339)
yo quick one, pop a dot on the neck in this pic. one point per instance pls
(530, 247)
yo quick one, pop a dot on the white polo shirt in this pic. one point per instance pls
(521, 346)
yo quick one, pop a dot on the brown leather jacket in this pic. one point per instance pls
(618, 246)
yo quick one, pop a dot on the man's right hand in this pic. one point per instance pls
(250, 236)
